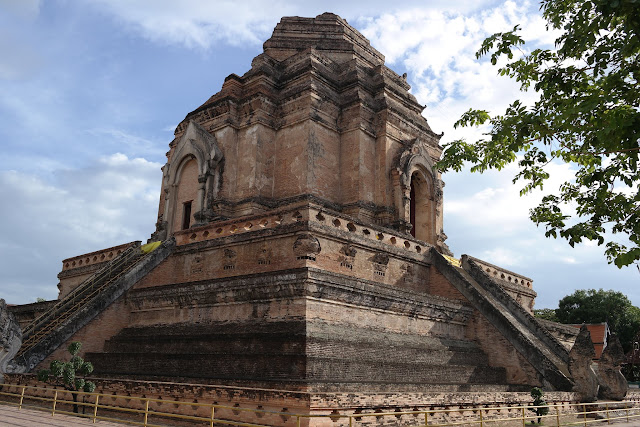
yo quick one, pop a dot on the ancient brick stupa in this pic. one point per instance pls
(303, 250)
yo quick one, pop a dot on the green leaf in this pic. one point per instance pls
(75, 347)
(89, 387)
(43, 375)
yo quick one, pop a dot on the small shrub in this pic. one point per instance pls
(65, 374)
(538, 400)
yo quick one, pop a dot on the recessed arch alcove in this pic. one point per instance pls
(417, 188)
(191, 181)
(421, 207)
(186, 201)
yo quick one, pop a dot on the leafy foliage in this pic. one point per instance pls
(546, 313)
(587, 115)
(65, 374)
(591, 306)
(631, 369)
(538, 400)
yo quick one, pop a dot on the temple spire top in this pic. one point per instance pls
(327, 32)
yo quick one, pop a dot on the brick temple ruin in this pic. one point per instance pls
(302, 261)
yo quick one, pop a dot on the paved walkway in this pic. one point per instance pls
(12, 416)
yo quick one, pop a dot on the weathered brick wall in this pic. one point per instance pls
(69, 282)
(265, 243)
(356, 306)
(76, 317)
(93, 335)
(124, 393)
(501, 352)
(439, 285)
(299, 328)
(27, 313)
(519, 287)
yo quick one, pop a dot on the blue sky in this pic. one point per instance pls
(91, 91)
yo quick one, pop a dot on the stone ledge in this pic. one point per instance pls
(302, 282)
(99, 257)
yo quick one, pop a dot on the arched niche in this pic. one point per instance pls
(193, 174)
(422, 208)
(417, 191)
(185, 195)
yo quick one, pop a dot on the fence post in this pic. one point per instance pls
(350, 421)
(626, 408)
(298, 422)
(55, 400)
(146, 411)
(584, 410)
(557, 416)
(608, 420)
(213, 412)
(481, 420)
(22, 397)
(95, 408)
(426, 418)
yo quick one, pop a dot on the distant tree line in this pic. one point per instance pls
(599, 306)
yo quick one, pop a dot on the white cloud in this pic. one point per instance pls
(111, 202)
(138, 145)
(437, 46)
(198, 24)
(498, 205)
(503, 257)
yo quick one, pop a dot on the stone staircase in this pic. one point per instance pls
(519, 327)
(90, 298)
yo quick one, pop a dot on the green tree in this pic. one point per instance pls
(546, 313)
(591, 306)
(65, 374)
(587, 115)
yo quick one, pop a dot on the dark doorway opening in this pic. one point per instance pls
(186, 215)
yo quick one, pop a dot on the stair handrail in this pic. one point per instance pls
(87, 284)
(59, 314)
(63, 307)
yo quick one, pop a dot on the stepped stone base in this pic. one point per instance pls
(331, 332)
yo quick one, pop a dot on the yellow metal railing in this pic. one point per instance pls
(139, 412)
(91, 287)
